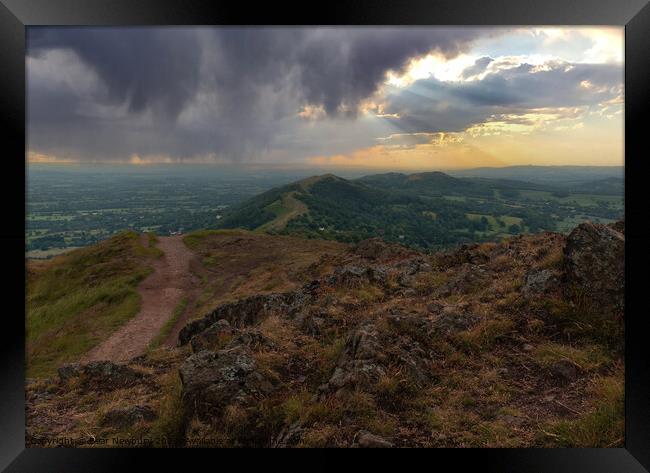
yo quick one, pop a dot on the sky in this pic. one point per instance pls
(375, 97)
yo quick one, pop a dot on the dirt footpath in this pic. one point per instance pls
(161, 292)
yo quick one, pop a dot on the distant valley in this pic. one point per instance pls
(69, 206)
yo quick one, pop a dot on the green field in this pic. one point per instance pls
(582, 200)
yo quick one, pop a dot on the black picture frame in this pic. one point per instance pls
(15, 15)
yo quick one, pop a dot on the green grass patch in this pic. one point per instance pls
(77, 300)
(169, 324)
(583, 320)
(195, 239)
(484, 335)
(587, 358)
(168, 430)
(603, 427)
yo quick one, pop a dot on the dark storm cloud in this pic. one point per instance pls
(227, 91)
(143, 67)
(348, 65)
(234, 93)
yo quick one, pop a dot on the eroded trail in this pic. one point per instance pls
(161, 291)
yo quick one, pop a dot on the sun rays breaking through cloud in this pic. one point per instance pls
(375, 97)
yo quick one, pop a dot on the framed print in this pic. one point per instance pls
(414, 225)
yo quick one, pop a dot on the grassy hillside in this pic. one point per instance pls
(234, 264)
(313, 343)
(77, 300)
(426, 210)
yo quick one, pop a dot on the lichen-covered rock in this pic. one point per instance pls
(214, 337)
(466, 280)
(69, 371)
(310, 323)
(594, 258)
(252, 338)
(452, 319)
(360, 363)
(109, 375)
(539, 281)
(213, 380)
(466, 254)
(244, 312)
(350, 276)
(368, 440)
(288, 437)
(251, 310)
(563, 371)
(123, 417)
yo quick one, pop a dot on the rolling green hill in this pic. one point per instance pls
(424, 210)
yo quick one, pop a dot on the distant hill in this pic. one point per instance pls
(319, 202)
(423, 210)
(438, 184)
(608, 186)
(552, 175)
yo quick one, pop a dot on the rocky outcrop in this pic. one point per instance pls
(618, 226)
(69, 371)
(594, 258)
(466, 254)
(124, 417)
(539, 281)
(222, 335)
(452, 319)
(368, 440)
(251, 310)
(215, 337)
(311, 323)
(563, 371)
(213, 380)
(468, 278)
(288, 437)
(360, 363)
(354, 276)
(102, 375)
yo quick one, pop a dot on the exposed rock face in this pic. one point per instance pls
(214, 337)
(368, 440)
(288, 437)
(466, 254)
(618, 226)
(251, 310)
(311, 324)
(595, 267)
(354, 276)
(452, 319)
(564, 371)
(467, 278)
(102, 374)
(69, 371)
(360, 362)
(127, 416)
(253, 338)
(349, 276)
(539, 281)
(222, 335)
(212, 380)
